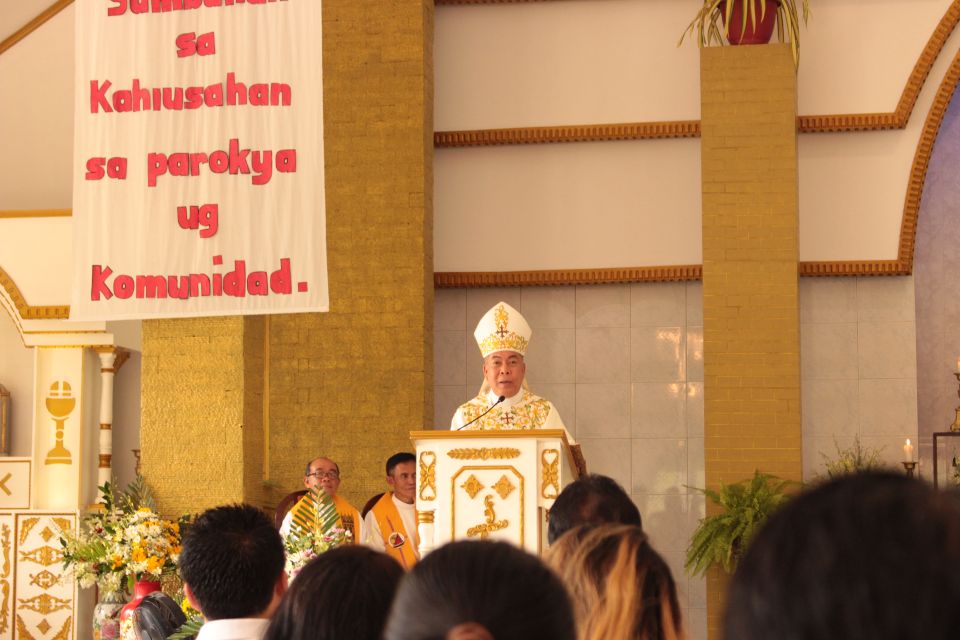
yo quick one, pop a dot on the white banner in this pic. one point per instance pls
(199, 177)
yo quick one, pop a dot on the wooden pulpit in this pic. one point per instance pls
(490, 485)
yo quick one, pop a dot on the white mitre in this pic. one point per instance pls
(502, 328)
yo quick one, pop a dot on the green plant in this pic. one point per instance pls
(853, 459)
(314, 530)
(722, 538)
(712, 22)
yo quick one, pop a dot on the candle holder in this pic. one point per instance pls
(909, 467)
(956, 420)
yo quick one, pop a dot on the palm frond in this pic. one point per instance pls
(318, 513)
(137, 494)
(188, 629)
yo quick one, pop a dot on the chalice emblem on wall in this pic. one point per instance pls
(60, 404)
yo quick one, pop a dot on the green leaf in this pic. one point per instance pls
(317, 514)
(721, 539)
(188, 629)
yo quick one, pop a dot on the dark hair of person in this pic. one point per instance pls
(511, 593)
(592, 499)
(232, 558)
(397, 458)
(620, 586)
(157, 617)
(344, 593)
(868, 556)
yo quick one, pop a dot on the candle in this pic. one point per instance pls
(908, 451)
(958, 364)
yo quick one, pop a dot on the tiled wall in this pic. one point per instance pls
(859, 367)
(624, 366)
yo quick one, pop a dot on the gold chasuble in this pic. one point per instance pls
(529, 412)
(396, 541)
(349, 516)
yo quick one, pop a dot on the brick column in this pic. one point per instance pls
(349, 384)
(352, 383)
(201, 431)
(750, 284)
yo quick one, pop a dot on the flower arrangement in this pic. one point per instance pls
(122, 539)
(314, 530)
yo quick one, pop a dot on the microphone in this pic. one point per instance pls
(499, 400)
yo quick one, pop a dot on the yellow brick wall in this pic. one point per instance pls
(751, 338)
(348, 384)
(196, 417)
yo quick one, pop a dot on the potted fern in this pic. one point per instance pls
(749, 22)
(722, 538)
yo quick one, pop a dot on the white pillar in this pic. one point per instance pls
(108, 358)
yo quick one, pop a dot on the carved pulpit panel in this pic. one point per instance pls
(489, 485)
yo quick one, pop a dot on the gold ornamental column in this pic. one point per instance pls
(751, 320)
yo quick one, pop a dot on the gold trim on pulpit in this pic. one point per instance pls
(504, 487)
(472, 486)
(428, 476)
(551, 474)
(490, 523)
(489, 497)
(483, 453)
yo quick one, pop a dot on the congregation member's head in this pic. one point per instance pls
(232, 563)
(619, 585)
(869, 556)
(323, 473)
(344, 593)
(402, 476)
(592, 499)
(480, 591)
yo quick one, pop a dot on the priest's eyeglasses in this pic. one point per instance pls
(321, 474)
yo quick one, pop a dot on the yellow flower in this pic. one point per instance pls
(154, 564)
(137, 554)
(117, 561)
(144, 510)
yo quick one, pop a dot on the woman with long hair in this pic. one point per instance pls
(619, 585)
